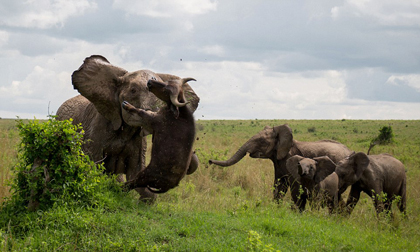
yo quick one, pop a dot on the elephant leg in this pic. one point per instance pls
(387, 207)
(332, 203)
(353, 198)
(403, 200)
(280, 187)
(299, 197)
(379, 200)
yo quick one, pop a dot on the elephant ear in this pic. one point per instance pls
(285, 140)
(97, 80)
(190, 96)
(292, 165)
(324, 167)
(361, 162)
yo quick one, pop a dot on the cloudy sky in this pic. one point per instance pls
(324, 59)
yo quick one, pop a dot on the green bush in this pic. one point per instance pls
(385, 135)
(52, 167)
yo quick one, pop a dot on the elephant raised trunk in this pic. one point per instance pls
(235, 158)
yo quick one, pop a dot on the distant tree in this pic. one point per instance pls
(385, 136)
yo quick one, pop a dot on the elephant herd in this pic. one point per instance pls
(323, 170)
(118, 109)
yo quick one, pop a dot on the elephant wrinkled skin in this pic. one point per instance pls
(113, 137)
(277, 144)
(382, 177)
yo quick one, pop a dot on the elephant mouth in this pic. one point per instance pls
(255, 155)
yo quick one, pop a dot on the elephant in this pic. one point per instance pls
(317, 178)
(173, 128)
(277, 144)
(381, 176)
(110, 133)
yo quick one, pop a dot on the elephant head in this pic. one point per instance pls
(107, 86)
(310, 169)
(350, 169)
(271, 142)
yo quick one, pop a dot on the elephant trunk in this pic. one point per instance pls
(235, 158)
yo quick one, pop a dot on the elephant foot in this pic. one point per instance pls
(128, 186)
(146, 196)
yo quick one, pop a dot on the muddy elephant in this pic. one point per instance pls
(382, 177)
(315, 180)
(277, 144)
(112, 135)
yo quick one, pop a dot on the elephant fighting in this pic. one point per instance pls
(114, 135)
(118, 109)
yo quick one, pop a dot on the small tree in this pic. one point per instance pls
(52, 167)
(385, 136)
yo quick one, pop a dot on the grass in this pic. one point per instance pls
(228, 209)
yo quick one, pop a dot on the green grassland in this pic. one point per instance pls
(231, 208)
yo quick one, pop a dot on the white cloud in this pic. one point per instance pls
(216, 50)
(382, 12)
(251, 59)
(412, 80)
(42, 14)
(4, 37)
(166, 8)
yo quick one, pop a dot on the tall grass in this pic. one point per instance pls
(231, 208)
(9, 139)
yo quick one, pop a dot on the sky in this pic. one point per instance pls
(271, 59)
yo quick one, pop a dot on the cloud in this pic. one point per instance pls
(42, 14)
(378, 85)
(381, 12)
(4, 37)
(166, 8)
(252, 59)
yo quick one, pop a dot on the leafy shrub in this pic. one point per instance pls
(52, 168)
(385, 136)
(255, 243)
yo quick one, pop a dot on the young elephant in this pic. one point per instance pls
(173, 130)
(381, 176)
(317, 179)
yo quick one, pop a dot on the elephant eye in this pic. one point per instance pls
(133, 90)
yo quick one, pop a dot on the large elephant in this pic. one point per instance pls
(113, 137)
(382, 177)
(315, 180)
(277, 144)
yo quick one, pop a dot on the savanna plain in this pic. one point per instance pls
(226, 209)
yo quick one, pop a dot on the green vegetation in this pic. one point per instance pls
(219, 209)
(385, 136)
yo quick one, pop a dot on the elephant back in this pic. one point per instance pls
(334, 150)
(73, 108)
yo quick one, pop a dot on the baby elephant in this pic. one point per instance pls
(317, 179)
(173, 130)
(381, 176)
